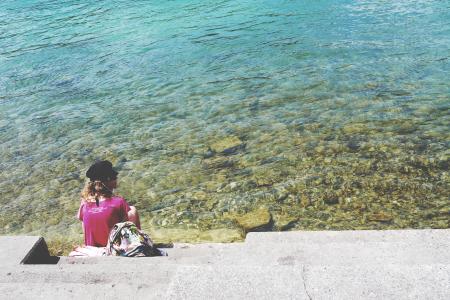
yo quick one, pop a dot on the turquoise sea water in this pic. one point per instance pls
(331, 114)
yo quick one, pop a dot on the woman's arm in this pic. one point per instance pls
(80, 214)
(133, 216)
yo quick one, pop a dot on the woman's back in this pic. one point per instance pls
(99, 219)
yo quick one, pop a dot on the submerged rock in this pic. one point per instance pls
(380, 217)
(331, 200)
(222, 235)
(180, 235)
(208, 154)
(218, 163)
(257, 220)
(354, 128)
(228, 145)
(211, 203)
(284, 222)
(353, 145)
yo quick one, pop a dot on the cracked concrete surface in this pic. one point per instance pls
(304, 283)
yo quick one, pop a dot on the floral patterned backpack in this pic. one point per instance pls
(125, 239)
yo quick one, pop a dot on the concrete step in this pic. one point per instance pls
(428, 236)
(368, 281)
(285, 266)
(290, 248)
(87, 274)
(55, 290)
(313, 282)
(342, 253)
(179, 254)
(186, 282)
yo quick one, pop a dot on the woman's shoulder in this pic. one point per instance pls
(83, 201)
(118, 198)
(121, 202)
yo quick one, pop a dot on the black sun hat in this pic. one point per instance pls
(101, 170)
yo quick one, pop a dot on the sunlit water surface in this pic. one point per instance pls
(328, 114)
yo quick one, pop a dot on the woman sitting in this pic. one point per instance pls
(100, 209)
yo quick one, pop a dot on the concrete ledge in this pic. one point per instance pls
(393, 264)
(411, 236)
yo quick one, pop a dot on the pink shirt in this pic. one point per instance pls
(98, 221)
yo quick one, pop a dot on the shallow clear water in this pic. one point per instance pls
(332, 114)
